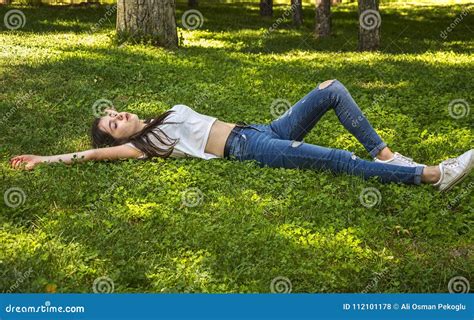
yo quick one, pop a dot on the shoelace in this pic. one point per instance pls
(451, 163)
(404, 159)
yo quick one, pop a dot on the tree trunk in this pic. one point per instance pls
(266, 8)
(323, 18)
(297, 12)
(192, 3)
(148, 20)
(369, 25)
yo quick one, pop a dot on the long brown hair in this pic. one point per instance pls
(140, 139)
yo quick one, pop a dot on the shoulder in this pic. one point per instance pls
(140, 154)
(181, 112)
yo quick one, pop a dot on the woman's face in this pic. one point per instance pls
(120, 125)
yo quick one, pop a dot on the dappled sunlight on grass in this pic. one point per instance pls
(380, 84)
(343, 241)
(188, 272)
(139, 211)
(204, 43)
(346, 141)
(69, 144)
(63, 23)
(61, 264)
(452, 138)
(423, 4)
(343, 249)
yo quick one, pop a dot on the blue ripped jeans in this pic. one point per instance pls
(279, 144)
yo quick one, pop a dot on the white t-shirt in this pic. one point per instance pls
(192, 129)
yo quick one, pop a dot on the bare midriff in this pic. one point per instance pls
(217, 137)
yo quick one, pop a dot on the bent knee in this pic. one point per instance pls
(326, 83)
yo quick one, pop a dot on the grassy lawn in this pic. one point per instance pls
(247, 227)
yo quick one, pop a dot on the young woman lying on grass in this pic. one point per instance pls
(186, 133)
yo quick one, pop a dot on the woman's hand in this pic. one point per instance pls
(26, 161)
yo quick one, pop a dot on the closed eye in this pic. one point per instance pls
(114, 126)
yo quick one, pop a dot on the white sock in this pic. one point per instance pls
(440, 176)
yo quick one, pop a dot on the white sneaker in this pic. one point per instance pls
(400, 160)
(455, 170)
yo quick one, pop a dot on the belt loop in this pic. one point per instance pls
(233, 133)
(241, 123)
(242, 144)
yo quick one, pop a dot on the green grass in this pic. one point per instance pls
(126, 220)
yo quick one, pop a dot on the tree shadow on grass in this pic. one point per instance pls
(56, 19)
(401, 32)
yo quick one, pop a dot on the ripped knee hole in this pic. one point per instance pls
(326, 84)
(296, 144)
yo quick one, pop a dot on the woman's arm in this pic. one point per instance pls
(110, 153)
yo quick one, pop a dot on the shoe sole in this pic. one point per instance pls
(402, 165)
(454, 182)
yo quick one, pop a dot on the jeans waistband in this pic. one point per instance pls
(235, 131)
